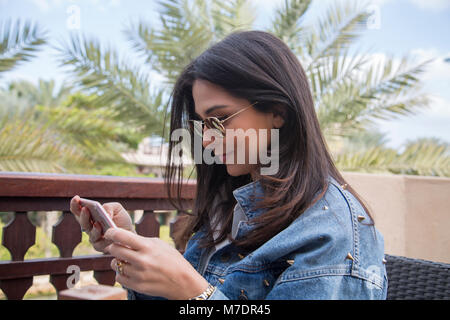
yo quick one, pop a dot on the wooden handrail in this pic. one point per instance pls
(22, 192)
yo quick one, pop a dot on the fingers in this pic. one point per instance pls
(113, 208)
(96, 233)
(128, 277)
(125, 237)
(101, 245)
(85, 219)
(119, 215)
(124, 278)
(75, 206)
(123, 253)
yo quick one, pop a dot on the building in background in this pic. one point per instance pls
(151, 156)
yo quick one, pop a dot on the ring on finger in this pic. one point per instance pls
(119, 266)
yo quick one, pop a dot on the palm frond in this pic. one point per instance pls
(19, 42)
(29, 146)
(185, 32)
(421, 157)
(288, 23)
(44, 93)
(425, 156)
(187, 29)
(336, 30)
(381, 90)
(122, 87)
(231, 15)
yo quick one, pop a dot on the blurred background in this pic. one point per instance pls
(85, 85)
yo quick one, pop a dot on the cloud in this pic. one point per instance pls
(434, 5)
(45, 5)
(437, 73)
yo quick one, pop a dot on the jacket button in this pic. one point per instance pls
(291, 262)
(344, 186)
(241, 256)
(325, 208)
(361, 218)
(221, 280)
(266, 283)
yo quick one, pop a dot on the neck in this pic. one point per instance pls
(255, 174)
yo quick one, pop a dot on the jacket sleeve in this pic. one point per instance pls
(218, 295)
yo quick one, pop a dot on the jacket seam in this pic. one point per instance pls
(327, 273)
(247, 268)
(355, 233)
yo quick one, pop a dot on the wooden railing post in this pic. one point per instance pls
(22, 192)
(148, 225)
(18, 236)
(66, 235)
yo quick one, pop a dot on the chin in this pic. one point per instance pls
(236, 170)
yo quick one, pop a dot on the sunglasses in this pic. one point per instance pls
(215, 123)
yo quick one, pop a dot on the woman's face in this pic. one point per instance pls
(207, 95)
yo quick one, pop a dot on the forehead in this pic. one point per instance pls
(207, 94)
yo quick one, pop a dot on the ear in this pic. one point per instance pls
(279, 115)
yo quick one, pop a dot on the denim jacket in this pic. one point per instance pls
(328, 252)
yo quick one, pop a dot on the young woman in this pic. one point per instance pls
(299, 233)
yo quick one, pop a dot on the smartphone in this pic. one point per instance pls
(98, 213)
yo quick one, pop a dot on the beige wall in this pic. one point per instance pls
(412, 212)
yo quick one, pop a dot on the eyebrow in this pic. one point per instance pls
(210, 110)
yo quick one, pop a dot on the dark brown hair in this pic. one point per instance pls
(256, 66)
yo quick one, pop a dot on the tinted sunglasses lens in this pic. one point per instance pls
(214, 123)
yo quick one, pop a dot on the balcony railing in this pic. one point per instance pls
(410, 211)
(24, 192)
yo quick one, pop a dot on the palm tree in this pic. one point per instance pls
(45, 93)
(350, 88)
(46, 131)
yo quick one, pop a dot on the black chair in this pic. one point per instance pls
(416, 279)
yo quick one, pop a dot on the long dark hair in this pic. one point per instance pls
(256, 66)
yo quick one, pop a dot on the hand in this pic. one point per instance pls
(153, 266)
(118, 214)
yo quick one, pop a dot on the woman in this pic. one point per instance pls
(299, 233)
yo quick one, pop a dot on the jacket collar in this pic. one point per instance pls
(242, 196)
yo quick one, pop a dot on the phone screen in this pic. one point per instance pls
(98, 213)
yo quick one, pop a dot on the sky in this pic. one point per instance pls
(418, 28)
